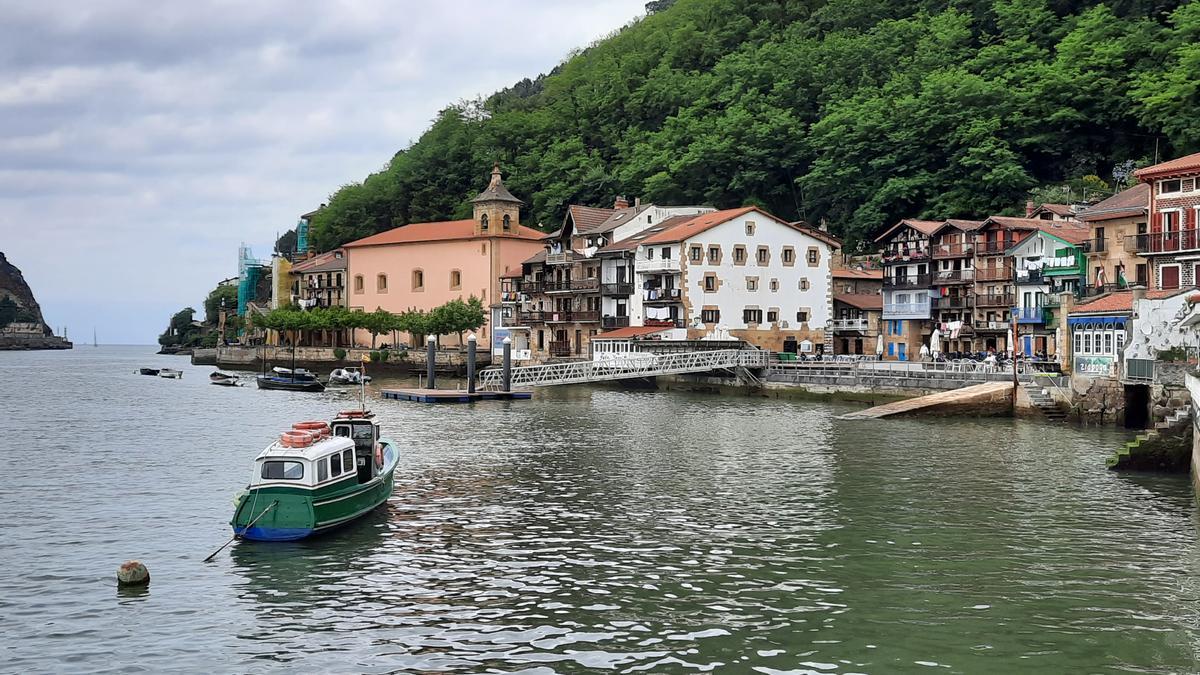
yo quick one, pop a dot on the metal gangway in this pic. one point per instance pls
(640, 364)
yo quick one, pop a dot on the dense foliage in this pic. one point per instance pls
(181, 330)
(857, 112)
(11, 312)
(456, 316)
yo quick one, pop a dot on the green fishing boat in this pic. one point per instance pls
(316, 477)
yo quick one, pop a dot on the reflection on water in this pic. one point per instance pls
(588, 529)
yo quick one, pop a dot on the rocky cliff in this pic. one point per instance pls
(21, 315)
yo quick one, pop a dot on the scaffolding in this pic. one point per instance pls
(249, 271)
(301, 236)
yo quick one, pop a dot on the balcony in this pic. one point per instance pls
(571, 316)
(529, 318)
(1097, 246)
(1002, 273)
(529, 287)
(991, 247)
(619, 288)
(1033, 277)
(664, 323)
(957, 249)
(585, 285)
(610, 322)
(843, 325)
(980, 324)
(903, 255)
(1165, 242)
(560, 348)
(997, 300)
(952, 302)
(654, 295)
(945, 277)
(907, 310)
(563, 258)
(908, 281)
(1029, 315)
(571, 286)
(656, 265)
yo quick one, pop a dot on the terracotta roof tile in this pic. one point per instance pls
(615, 219)
(1131, 202)
(448, 230)
(588, 217)
(1016, 223)
(927, 227)
(858, 274)
(632, 242)
(868, 301)
(1186, 164)
(1073, 233)
(1064, 210)
(325, 262)
(694, 225)
(965, 225)
(1120, 301)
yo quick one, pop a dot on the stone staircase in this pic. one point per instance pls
(1151, 448)
(1044, 402)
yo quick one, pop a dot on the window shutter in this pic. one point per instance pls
(1156, 222)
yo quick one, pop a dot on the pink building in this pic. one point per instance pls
(424, 265)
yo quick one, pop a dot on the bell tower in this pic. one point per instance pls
(497, 212)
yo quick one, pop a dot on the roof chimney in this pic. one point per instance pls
(637, 201)
(1029, 208)
(1139, 294)
(620, 203)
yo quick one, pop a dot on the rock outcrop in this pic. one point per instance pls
(21, 322)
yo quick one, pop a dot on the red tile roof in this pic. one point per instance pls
(694, 225)
(868, 301)
(1064, 210)
(1070, 232)
(630, 332)
(448, 230)
(587, 217)
(632, 242)
(1120, 301)
(1181, 165)
(1016, 223)
(1128, 203)
(927, 227)
(858, 274)
(325, 262)
(965, 225)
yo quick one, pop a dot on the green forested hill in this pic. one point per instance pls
(854, 111)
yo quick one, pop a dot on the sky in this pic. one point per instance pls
(142, 142)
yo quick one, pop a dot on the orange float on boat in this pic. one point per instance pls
(296, 439)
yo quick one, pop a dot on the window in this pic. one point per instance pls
(507, 223)
(749, 228)
(483, 223)
(281, 470)
(764, 255)
(1087, 342)
(710, 282)
(322, 471)
(335, 465)
(813, 255)
(1169, 186)
(665, 253)
(789, 255)
(714, 254)
(1078, 342)
(739, 254)
(751, 315)
(381, 283)
(801, 316)
(804, 283)
(455, 280)
(752, 283)
(358, 283)
(774, 285)
(348, 459)
(1120, 340)
(418, 280)
(1189, 184)
(1108, 342)
(710, 315)
(695, 254)
(772, 315)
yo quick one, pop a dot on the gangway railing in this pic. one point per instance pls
(638, 364)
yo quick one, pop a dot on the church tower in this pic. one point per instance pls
(497, 212)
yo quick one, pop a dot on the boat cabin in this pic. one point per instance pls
(351, 448)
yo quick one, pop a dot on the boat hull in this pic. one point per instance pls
(299, 513)
(289, 385)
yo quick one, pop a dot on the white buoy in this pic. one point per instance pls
(132, 573)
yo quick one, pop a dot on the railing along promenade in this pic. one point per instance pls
(870, 372)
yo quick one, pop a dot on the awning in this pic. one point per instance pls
(1098, 322)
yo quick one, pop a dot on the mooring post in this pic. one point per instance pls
(507, 372)
(471, 340)
(430, 357)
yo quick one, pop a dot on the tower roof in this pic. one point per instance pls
(495, 191)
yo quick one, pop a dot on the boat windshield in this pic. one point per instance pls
(281, 470)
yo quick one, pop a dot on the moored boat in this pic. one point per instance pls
(226, 383)
(219, 376)
(170, 373)
(317, 476)
(153, 372)
(288, 384)
(347, 376)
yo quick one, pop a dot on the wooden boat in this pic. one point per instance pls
(226, 383)
(153, 372)
(316, 477)
(288, 384)
(170, 373)
(218, 376)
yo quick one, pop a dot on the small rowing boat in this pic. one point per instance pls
(170, 373)
(315, 477)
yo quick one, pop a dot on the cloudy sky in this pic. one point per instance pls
(142, 142)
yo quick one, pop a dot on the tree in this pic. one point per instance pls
(212, 304)
(286, 243)
(380, 322)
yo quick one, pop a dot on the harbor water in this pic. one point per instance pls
(590, 529)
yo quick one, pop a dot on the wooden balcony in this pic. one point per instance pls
(957, 249)
(952, 302)
(1002, 273)
(560, 348)
(947, 277)
(618, 288)
(654, 295)
(611, 322)
(997, 300)
(909, 281)
(1153, 243)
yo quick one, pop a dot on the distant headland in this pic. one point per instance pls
(21, 322)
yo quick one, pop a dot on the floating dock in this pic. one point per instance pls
(454, 395)
(982, 398)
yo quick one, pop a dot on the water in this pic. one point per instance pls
(587, 529)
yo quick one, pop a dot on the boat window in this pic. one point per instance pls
(364, 432)
(348, 458)
(341, 430)
(277, 470)
(335, 465)
(322, 470)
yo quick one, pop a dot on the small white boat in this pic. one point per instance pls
(170, 373)
(347, 376)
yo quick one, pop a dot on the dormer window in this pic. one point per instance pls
(483, 222)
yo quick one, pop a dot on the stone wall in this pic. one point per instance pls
(446, 360)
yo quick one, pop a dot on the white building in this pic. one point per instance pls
(742, 272)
